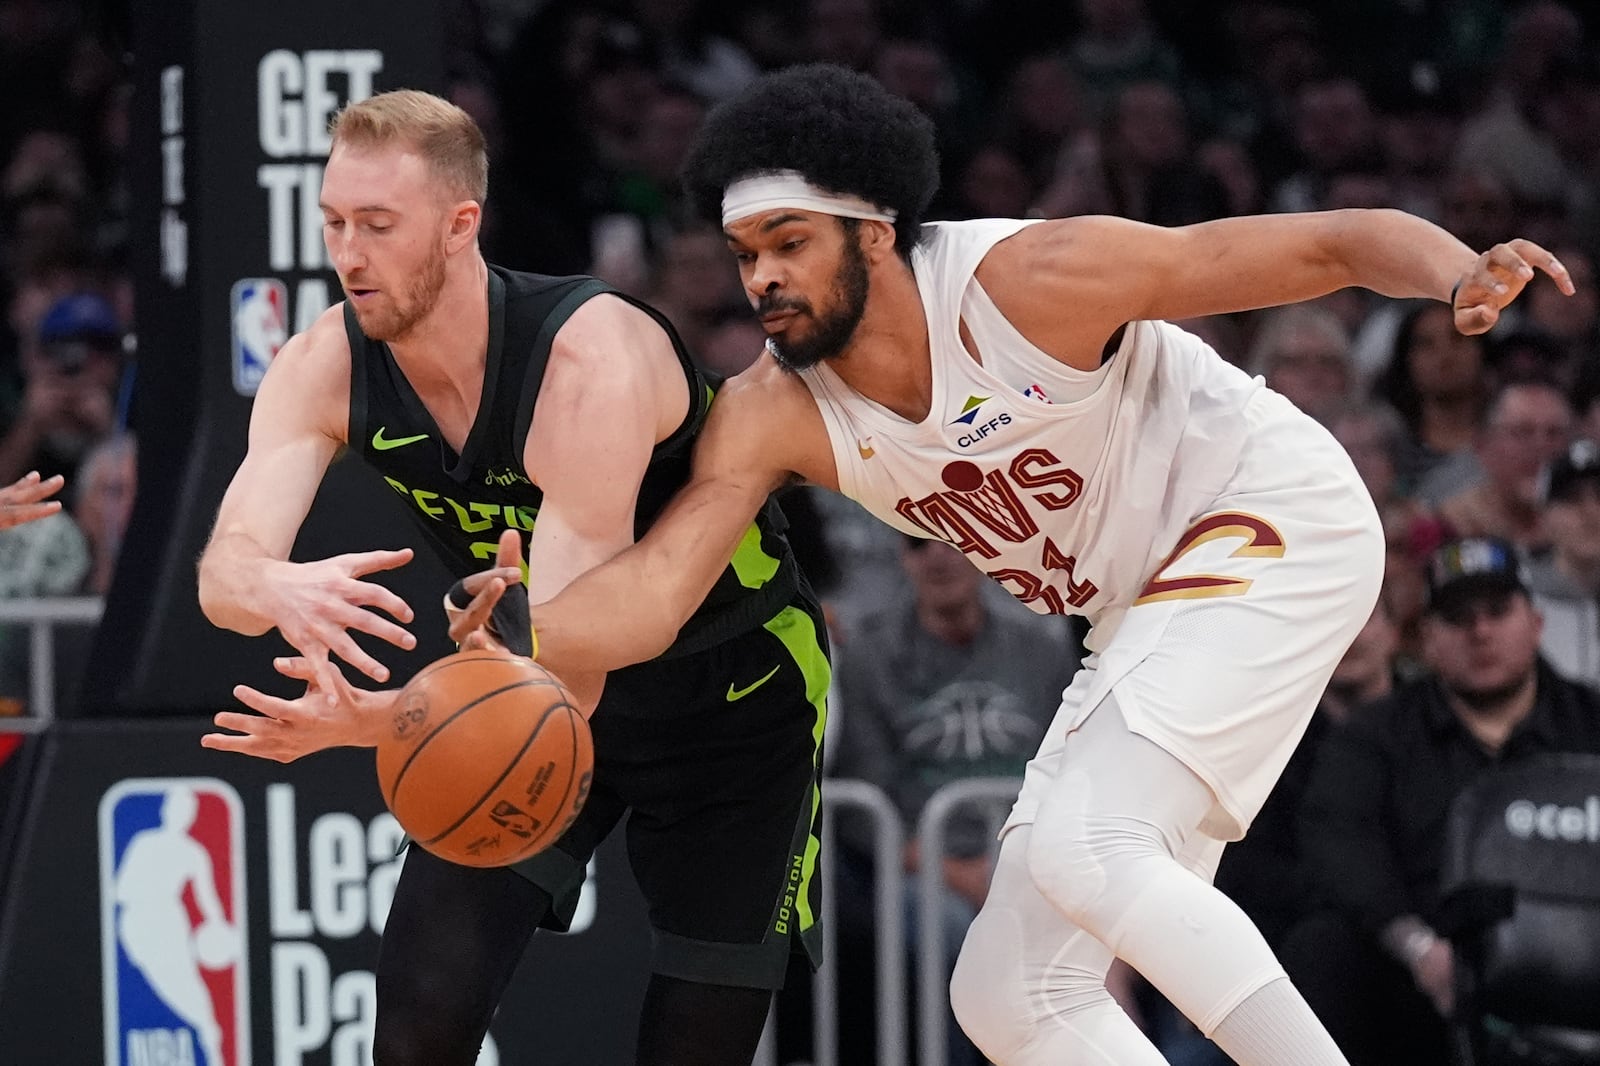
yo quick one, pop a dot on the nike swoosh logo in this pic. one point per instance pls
(741, 693)
(383, 444)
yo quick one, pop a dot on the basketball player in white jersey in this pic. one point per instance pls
(1011, 387)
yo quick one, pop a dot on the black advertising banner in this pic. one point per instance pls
(231, 108)
(173, 906)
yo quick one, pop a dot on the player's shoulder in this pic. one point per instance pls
(321, 348)
(766, 387)
(311, 374)
(769, 413)
(609, 332)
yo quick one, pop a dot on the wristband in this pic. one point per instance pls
(509, 619)
(533, 637)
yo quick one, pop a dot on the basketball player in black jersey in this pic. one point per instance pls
(562, 412)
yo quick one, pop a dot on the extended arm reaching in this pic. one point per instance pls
(1112, 271)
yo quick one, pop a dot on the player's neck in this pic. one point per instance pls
(887, 361)
(448, 348)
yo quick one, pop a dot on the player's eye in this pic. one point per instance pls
(790, 246)
(332, 223)
(744, 257)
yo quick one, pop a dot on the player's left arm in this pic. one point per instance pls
(612, 389)
(1069, 284)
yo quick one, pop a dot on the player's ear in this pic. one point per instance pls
(465, 217)
(877, 239)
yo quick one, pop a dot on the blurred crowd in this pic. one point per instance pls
(1482, 115)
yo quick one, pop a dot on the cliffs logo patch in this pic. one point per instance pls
(172, 924)
(260, 329)
(969, 410)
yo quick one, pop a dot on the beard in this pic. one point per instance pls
(1489, 699)
(393, 321)
(833, 330)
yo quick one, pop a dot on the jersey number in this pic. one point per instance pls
(1030, 588)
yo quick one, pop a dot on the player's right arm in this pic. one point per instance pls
(763, 432)
(247, 584)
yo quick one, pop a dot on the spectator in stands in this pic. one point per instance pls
(936, 689)
(696, 285)
(68, 401)
(102, 503)
(1527, 425)
(1438, 381)
(1303, 352)
(1118, 45)
(1041, 114)
(1335, 131)
(1373, 964)
(1566, 583)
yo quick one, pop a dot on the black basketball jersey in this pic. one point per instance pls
(463, 502)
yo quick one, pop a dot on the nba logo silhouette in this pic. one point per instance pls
(260, 328)
(172, 923)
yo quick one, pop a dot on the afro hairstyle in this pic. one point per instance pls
(843, 130)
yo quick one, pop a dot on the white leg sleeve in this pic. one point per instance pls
(1114, 850)
(1030, 988)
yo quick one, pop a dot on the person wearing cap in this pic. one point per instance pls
(1372, 823)
(1565, 584)
(68, 401)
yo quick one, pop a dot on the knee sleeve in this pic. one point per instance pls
(1105, 852)
(1022, 968)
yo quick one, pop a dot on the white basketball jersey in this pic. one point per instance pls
(1067, 487)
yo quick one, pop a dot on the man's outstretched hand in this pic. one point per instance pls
(28, 499)
(1497, 278)
(284, 729)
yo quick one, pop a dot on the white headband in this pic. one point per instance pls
(789, 188)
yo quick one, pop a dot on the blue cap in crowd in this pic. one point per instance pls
(83, 316)
(1470, 568)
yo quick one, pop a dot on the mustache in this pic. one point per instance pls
(771, 305)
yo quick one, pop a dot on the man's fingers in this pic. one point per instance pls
(345, 647)
(295, 666)
(15, 514)
(279, 711)
(509, 552)
(1538, 258)
(30, 489)
(476, 583)
(1473, 319)
(376, 625)
(361, 564)
(1507, 264)
(476, 614)
(372, 594)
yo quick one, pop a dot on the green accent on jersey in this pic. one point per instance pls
(799, 634)
(741, 693)
(974, 401)
(383, 444)
(751, 563)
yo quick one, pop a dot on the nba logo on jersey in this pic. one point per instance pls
(260, 328)
(172, 923)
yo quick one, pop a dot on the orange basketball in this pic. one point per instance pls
(487, 760)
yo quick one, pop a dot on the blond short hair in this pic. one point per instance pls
(437, 130)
